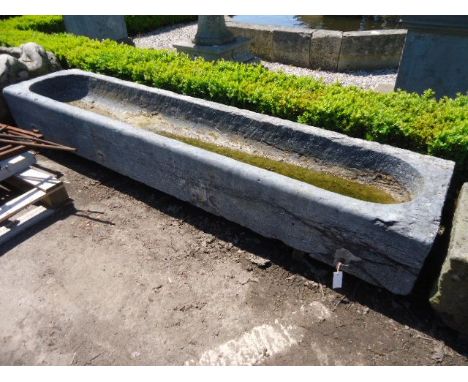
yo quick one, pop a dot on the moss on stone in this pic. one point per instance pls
(320, 179)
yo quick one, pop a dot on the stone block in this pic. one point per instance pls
(368, 50)
(435, 55)
(325, 49)
(292, 46)
(450, 296)
(261, 38)
(99, 27)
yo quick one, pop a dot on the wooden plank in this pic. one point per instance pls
(41, 186)
(39, 179)
(23, 222)
(16, 164)
(56, 197)
(15, 205)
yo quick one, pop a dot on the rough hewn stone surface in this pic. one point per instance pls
(325, 48)
(371, 49)
(37, 60)
(20, 63)
(450, 297)
(11, 71)
(292, 46)
(384, 244)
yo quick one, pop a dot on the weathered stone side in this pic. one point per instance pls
(261, 38)
(384, 244)
(292, 46)
(450, 297)
(366, 50)
(325, 48)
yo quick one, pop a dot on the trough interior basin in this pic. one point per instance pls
(358, 173)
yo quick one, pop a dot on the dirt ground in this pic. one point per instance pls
(132, 276)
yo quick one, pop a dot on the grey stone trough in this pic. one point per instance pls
(384, 244)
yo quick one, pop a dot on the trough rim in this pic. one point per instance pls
(440, 169)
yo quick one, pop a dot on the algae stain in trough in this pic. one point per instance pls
(320, 179)
(324, 180)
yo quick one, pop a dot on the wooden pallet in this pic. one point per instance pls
(39, 195)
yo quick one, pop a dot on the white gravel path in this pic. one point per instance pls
(163, 38)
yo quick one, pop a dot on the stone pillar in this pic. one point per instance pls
(212, 30)
(98, 27)
(214, 41)
(435, 55)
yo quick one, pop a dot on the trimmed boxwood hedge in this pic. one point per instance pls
(135, 24)
(141, 24)
(417, 122)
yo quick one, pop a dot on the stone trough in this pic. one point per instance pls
(219, 158)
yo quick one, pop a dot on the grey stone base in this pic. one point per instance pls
(238, 50)
(450, 298)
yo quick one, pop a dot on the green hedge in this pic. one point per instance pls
(135, 24)
(416, 122)
(141, 24)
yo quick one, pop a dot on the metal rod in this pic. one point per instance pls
(8, 136)
(39, 145)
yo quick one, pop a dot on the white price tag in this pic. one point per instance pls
(337, 280)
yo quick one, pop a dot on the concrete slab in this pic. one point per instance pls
(450, 297)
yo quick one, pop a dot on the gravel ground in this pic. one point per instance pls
(163, 38)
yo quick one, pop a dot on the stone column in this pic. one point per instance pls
(212, 30)
(214, 41)
(98, 27)
(435, 55)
